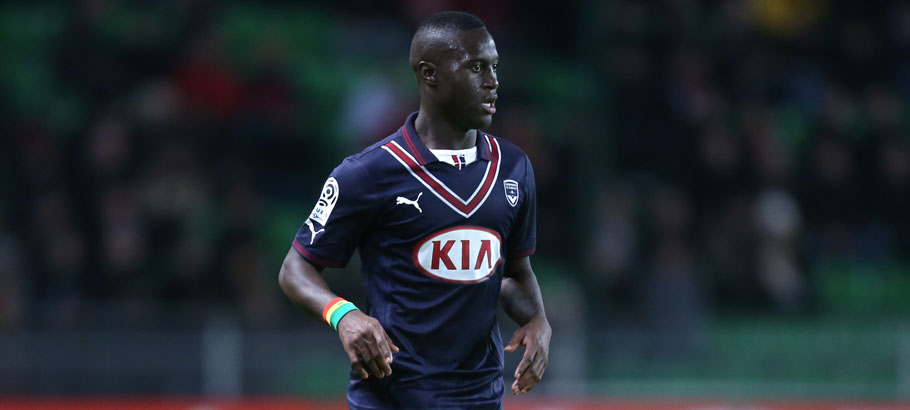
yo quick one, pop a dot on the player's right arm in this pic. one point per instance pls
(363, 338)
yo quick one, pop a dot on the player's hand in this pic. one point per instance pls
(535, 336)
(367, 344)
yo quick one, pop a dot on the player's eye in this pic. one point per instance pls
(476, 68)
(495, 66)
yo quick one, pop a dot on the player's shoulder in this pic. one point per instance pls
(370, 157)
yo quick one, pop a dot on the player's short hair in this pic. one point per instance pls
(429, 39)
(451, 20)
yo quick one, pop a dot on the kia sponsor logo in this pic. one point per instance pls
(463, 254)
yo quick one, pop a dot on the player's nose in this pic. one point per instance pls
(490, 81)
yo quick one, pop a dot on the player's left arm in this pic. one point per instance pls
(521, 299)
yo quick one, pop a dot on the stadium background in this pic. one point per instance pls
(723, 193)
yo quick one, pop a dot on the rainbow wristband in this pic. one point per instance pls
(335, 310)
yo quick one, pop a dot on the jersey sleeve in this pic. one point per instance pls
(523, 237)
(342, 213)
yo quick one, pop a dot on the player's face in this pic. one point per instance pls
(468, 81)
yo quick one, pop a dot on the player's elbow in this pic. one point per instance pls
(296, 272)
(283, 277)
(286, 275)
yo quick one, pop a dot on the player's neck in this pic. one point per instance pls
(436, 132)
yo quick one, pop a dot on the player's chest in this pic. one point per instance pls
(442, 197)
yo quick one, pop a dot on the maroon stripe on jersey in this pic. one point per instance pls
(491, 175)
(316, 258)
(489, 147)
(418, 170)
(518, 254)
(439, 189)
(411, 146)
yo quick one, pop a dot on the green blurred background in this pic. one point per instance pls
(723, 189)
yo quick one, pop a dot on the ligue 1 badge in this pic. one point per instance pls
(326, 202)
(511, 190)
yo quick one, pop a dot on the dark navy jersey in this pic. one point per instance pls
(433, 241)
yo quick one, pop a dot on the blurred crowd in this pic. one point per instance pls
(760, 160)
(159, 157)
(144, 205)
(693, 157)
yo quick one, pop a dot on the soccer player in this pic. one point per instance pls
(443, 215)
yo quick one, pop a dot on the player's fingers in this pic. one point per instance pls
(525, 362)
(374, 368)
(383, 355)
(382, 342)
(517, 373)
(355, 361)
(515, 387)
(359, 369)
(528, 380)
(383, 366)
(540, 366)
(535, 374)
(375, 360)
(514, 342)
(388, 339)
(378, 366)
(536, 364)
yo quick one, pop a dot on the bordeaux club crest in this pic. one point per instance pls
(511, 190)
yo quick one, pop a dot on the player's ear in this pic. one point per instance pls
(427, 72)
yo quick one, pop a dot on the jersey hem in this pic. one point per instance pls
(521, 253)
(319, 260)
